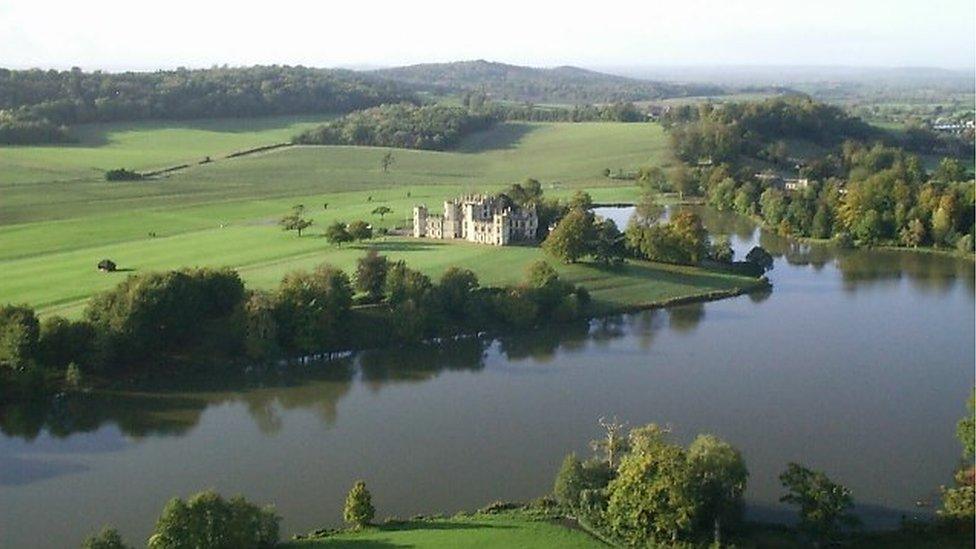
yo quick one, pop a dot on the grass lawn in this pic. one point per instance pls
(144, 146)
(503, 530)
(54, 230)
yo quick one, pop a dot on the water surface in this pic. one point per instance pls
(857, 363)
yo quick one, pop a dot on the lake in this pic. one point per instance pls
(858, 363)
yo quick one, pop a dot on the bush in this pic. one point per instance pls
(122, 174)
(207, 520)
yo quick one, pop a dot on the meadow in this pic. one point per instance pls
(511, 529)
(53, 231)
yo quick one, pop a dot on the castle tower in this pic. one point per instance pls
(452, 219)
(419, 221)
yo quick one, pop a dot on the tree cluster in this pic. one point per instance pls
(642, 490)
(36, 105)
(204, 520)
(886, 197)
(527, 112)
(401, 125)
(580, 234)
(723, 133)
(165, 320)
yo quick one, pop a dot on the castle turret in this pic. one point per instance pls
(419, 221)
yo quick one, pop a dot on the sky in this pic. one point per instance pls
(142, 35)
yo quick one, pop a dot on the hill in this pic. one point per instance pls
(36, 106)
(565, 84)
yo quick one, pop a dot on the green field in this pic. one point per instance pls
(144, 146)
(54, 231)
(503, 530)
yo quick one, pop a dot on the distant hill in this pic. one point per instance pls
(572, 85)
(36, 106)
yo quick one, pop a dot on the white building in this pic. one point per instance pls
(477, 218)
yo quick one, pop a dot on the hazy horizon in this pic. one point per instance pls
(694, 33)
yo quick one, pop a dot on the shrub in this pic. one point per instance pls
(122, 174)
(208, 520)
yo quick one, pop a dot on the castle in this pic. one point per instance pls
(477, 218)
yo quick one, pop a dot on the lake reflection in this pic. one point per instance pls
(856, 362)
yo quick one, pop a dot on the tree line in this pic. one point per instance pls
(157, 322)
(38, 106)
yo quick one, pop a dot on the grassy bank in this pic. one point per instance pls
(507, 529)
(526, 528)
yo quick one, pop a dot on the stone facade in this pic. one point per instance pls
(477, 218)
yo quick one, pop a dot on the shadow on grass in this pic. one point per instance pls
(502, 137)
(400, 246)
(99, 134)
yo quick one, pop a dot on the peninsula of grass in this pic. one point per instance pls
(57, 220)
(505, 529)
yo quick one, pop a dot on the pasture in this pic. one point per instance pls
(510, 529)
(54, 231)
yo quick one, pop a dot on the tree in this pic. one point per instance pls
(613, 443)
(683, 181)
(208, 520)
(19, 336)
(108, 538)
(720, 475)
(359, 509)
(913, 234)
(360, 230)
(580, 200)
(966, 428)
(295, 220)
(371, 272)
(571, 239)
(338, 234)
(312, 309)
(959, 502)
(381, 211)
(823, 505)
(403, 283)
(722, 250)
(387, 161)
(687, 226)
(454, 291)
(540, 274)
(569, 482)
(949, 170)
(64, 341)
(608, 243)
(761, 257)
(651, 501)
